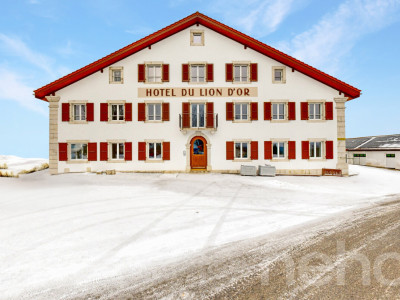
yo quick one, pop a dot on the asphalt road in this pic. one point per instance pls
(352, 255)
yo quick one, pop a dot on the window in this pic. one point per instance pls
(360, 155)
(241, 73)
(278, 150)
(241, 111)
(197, 73)
(241, 150)
(278, 75)
(278, 111)
(79, 151)
(389, 155)
(315, 149)
(79, 111)
(155, 150)
(117, 112)
(197, 38)
(117, 151)
(314, 111)
(116, 75)
(153, 73)
(198, 115)
(154, 111)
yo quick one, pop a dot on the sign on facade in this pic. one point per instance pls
(198, 92)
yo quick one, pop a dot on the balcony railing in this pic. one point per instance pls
(195, 121)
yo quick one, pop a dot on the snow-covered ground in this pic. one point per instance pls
(11, 166)
(74, 228)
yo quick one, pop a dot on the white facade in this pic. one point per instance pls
(175, 51)
(375, 158)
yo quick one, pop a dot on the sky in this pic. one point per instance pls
(357, 41)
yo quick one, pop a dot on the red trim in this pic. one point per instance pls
(198, 18)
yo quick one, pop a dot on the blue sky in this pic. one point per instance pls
(357, 41)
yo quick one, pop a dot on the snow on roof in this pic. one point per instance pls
(379, 142)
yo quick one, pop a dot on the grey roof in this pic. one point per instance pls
(378, 142)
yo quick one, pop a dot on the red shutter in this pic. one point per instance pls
(210, 72)
(62, 151)
(165, 111)
(229, 111)
(141, 73)
(185, 115)
(185, 72)
(267, 111)
(128, 151)
(165, 73)
(65, 112)
(253, 72)
(267, 150)
(210, 115)
(304, 110)
(229, 151)
(329, 110)
(229, 72)
(329, 149)
(103, 151)
(128, 111)
(90, 112)
(166, 151)
(142, 151)
(141, 112)
(254, 111)
(254, 150)
(292, 111)
(305, 149)
(292, 150)
(104, 112)
(92, 151)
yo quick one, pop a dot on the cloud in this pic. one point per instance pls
(12, 88)
(18, 48)
(256, 17)
(333, 37)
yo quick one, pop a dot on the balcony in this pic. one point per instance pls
(198, 121)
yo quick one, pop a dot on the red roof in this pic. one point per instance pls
(198, 18)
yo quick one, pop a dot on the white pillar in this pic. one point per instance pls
(341, 135)
(53, 133)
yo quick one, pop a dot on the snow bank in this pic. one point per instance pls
(72, 229)
(12, 166)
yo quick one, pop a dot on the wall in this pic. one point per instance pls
(376, 159)
(217, 50)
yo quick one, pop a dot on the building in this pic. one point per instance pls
(377, 151)
(197, 95)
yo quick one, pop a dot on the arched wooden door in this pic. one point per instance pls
(198, 153)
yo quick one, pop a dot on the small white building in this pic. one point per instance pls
(197, 95)
(377, 151)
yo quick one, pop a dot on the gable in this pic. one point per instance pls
(198, 18)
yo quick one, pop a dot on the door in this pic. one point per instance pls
(390, 161)
(198, 153)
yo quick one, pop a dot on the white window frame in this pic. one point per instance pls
(149, 66)
(283, 77)
(322, 149)
(194, 32)
(112, 71)
(285, 150)
(198, 114)
(80, 105)
(118, 115)
(248, 143)
(155, 158)
(279, 113)
(118, 145)
(148, 110)
(241, 65)
(312, 117)
(83, 159)
(241, 105)
(197, 77)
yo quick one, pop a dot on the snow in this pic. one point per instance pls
(13, 165)
(72, 229)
